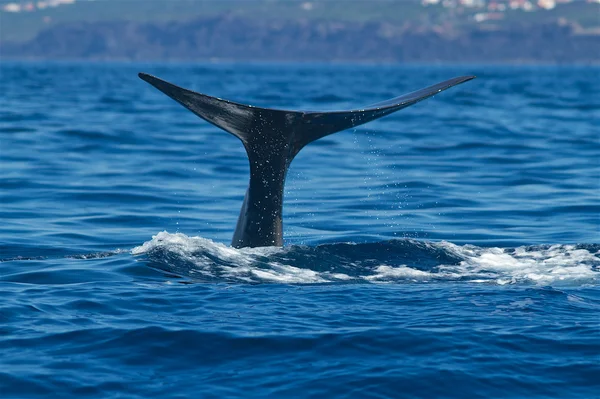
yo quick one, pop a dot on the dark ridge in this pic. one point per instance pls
(229, 37)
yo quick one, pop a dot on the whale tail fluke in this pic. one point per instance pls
(272, 139)
(298, 127)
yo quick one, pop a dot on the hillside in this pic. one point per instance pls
(22, 26)
(376, 30)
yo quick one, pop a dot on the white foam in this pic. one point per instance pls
(557, 264)
(186, 246)
(543, 266)
(385, 273)
(288, 274)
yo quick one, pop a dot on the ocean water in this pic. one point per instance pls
(450, 250)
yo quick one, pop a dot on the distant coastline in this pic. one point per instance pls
(358, 31)
(260, 62)
(232, 38)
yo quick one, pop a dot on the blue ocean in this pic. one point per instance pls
(450, 250)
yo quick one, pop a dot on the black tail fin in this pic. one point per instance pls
(272, 138)
(246, 121)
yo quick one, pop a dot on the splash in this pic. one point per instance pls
(406, 260)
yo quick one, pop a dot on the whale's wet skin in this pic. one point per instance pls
(272, 139)
(449, 250)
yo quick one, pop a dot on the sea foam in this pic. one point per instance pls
(203, 259)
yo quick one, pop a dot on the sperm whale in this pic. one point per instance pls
(272, 138)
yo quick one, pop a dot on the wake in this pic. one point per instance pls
(403, 260)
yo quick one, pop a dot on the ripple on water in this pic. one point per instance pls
(490, 186)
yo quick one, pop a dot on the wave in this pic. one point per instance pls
(404, 260)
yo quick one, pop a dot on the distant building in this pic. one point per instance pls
(502, 5)
(12, 7)
(34, 6)
(547, 4)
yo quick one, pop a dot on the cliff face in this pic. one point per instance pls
(235, 38)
